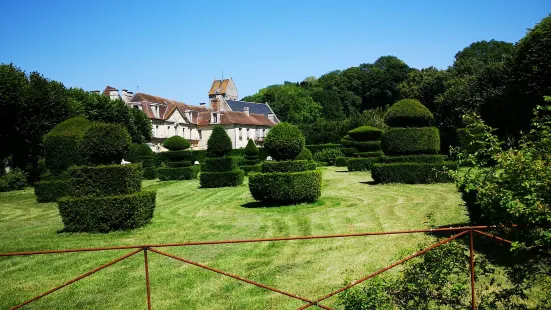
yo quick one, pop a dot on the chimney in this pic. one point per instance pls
(271, 117)
(130, 95)
(124, 93)
(114, 94)
(246, 111)
(202, 104)
(95, 92)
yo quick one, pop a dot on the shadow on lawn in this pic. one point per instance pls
(369, 182)
(260, 204)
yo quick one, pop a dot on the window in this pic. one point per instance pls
(240, 134)
(200, 135)
(215, 118)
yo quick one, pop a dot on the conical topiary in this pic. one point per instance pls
(219, 143)
(251, 153)
(220, 170)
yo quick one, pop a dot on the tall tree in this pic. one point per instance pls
(425, 85)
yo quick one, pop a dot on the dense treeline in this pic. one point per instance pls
(31, 105)
(501, 81)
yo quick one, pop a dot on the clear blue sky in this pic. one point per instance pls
(174, 49)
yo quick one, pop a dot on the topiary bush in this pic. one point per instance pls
(366, 133)
(221, 164)
(412, 173)
(409, 141)
(284, 142)
(414, 158)
(251, 154)
(328, 156)
(106, 143)
(176, 143)
(363, 145)
(305, 154)
(409, 113)
(110, 180)
(314, 148)
(341, 161)
(181, 173)
(62, 144)
(285, 166)
(219, 143)
(252, 168)
(51, 191)
(361, 164)
(222, 179)
(286, 187)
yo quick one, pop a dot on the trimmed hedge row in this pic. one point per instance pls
(314, 148)
(178, 164)
(408, 141)
(362, 146)
(369, 154)
(103, 214)
(181, 173)
(221, 164)
(178, 155)
(221, 179)
(349, 151)
(341, 161)
(361, 164)
(51, 191)
(250, 162)
(285, 166)
(251, 168)
(285, 187)
(149, 173)
(366, 133)
(107, 180)
(414, 158)
(412, 173)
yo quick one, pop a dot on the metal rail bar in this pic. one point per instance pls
(312, 303)
(147, 283)
(76, 279)
(125, 247)
(471, 254)
(386, 268)
(493, 237)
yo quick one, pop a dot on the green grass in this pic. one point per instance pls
(185, 213)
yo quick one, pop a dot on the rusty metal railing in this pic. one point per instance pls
(145, 248)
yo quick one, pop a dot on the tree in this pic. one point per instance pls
(425, 85)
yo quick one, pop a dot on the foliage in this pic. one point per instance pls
(52, 190)
(221, 164)
(366, 133)
(106, 143)
(103, 214)
(369, 154)
(178, 164)
(285, 166)
(284, 142)
(412, 172)
(149, 173)
(408, 141)
(328, 156)
(175, 156)
(408, 113)
(251, 168)
(361, 164)
(62, 145)
(221, 179)
(286, 187)
(314, 148)
(180, 173)
(219, 143)
(176, 143)
(108, 180)
(13, 180)
(361, 146)
(144, 150)
(425, 85)
(251, 150)
(305, 154)
(422, 158)
(341, 161)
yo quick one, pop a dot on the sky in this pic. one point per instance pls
(174, 49)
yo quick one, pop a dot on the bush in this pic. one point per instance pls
(221, 164)
(143, 150)
(366, 133)
(249, 162)
(341, 161)
(305, 154)
(109, 180)
(414, 158)
(182, 173)
(149, 173)
(51, 191)
(106, 143)
(251, 168)
(62, 145)
(409, 141)
(466, 139)
(361, 164)
(328, 156)
(369, 154)
(285, 166)
(349, 151)
(176, 143)
(286, 188)
(103, 214)
(219, 143)
(314, 148)
(221, 179)
(251, 151)
(13, 180)
(178, 164)
(284, 142)
(199, 155)
(412, 173)
(362, 146)
(178, 156)
(408, 113)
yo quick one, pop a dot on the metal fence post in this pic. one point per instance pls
(473, 297)
(147, 284)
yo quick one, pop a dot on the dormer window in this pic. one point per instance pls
(214, 119)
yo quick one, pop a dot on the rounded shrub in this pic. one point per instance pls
(106, 143)
(328, 156)
(143, 150)
(62, 144)
(286, 166)
(409, 141)
(108, 180)
(16, 179)
(176, 143)
(284, 142)
(366, 133)
(408, 113)
(251, 150)
(286, 187)
(219, 143)
(304, 155)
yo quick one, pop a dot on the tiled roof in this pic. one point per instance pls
(257, 108)
(108, 89)
(166, 107)
(219, 87)
(236, 118)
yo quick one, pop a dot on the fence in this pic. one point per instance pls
(459, 232)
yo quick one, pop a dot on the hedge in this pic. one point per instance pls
(103, 214)
(16, 179)
(412, 173)
(178, 155)
(284, 141)
(285, 166)
(62, 145)
(262, 153)
(149, 173)
(106, 143)
(369, 154)
(286, 188)
(362, 146)
(408, 113)
(108, 180)
(366, 133)
(221, 164)
(341, 161)
(349, 151)
(178, 164)
(51, 191)
(176, 143)
(251, 168)
(361, 164)
(314, 148)
(182, 173)
(409, 141)
(221, 179)
(250, 162)
(219, 143)
(414, 158)
(305, 154)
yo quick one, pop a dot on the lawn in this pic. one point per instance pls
(309, 268)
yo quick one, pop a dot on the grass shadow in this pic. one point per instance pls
(260, 204)
(342, 171)
(369, 182)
